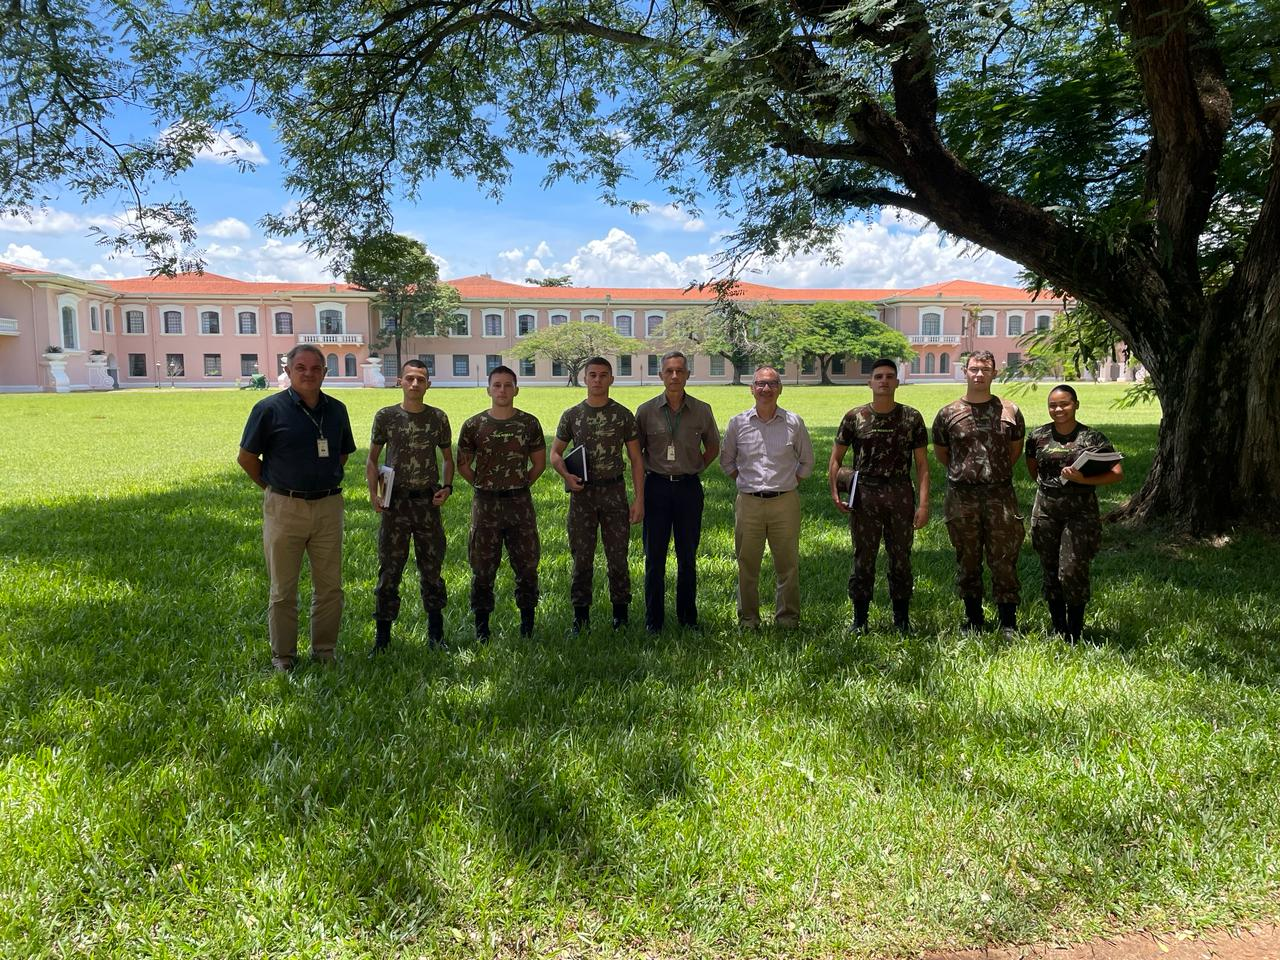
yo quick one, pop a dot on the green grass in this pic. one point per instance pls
(723, 795)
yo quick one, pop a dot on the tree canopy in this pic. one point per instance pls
(573, 344)
(830, 329)
(745, 334)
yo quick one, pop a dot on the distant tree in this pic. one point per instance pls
(565, 281)
(746, 334)
(573, 344)
(412, 302)
(833, 329)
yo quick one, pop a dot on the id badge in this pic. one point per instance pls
(322, 447)
(671, 453)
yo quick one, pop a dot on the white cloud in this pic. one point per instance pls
(227, 148)
(271, 261)
(615, 260)
(228, 228)
(25, 255)
(44, 222)
(543, 251)
(512, 255)
(668, 216)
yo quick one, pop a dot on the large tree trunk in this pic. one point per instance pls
(823, 364)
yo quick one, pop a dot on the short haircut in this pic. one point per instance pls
(674, 355)
(598, 362)
(767, 366)
(1067, 389)
(415, 362)
(503, 369)
(982, 356)
(885, 362)
(303, 348)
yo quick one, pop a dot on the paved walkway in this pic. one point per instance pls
(1253, 943)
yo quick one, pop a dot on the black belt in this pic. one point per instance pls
(500, 494)
(603, 481)
(423, 494)
(306, 494)
(672, 477)
(765, 494)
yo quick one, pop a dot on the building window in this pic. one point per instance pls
(210, 322)
(426, 323)
(928, 363)
(591, 318)
(284, 322)
(651, 324)
(330, 322)
(653, 364)
(557, 368)
(528, 368)
(390, 366)
(986, 325)
(806, 364)
(331, 364)
(717, 366)
(837, 365)
(108, 319)
(430, 360)
(622, 323)
(943, 361)
(493, 324)
(462, 325)
(915, 363)
(624, 365)
(69, 328)
(173, 363)
(349, 368)
(248, 364)
(461, 363)
(491, 362)
(137, 364)
(1014, 360)
(930, 325)
(526, 323)
(867, 364)
(134, 322)
(213, 364)
(248, 322)
(93, 319)
(1014, 325)
(1042, 322)
(172, 321)
(387, 318)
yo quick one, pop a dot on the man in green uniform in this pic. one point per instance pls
(604, 428)
(411, 432)
(886, 437)
(978, 438)
(510, 453)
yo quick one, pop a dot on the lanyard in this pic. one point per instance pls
(673, 425)
(318, 424)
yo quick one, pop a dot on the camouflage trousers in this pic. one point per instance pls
(602, 507)
(1066, 532)
(883, 509)
(984, 520)
(406, 521)
(496, 521)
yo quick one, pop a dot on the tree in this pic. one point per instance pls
(412, 301)
(830, 329)
(745, 334)
(1125, 153)
(573, 344)
(564, 281)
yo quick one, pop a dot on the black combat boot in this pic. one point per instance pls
(901, 617)
(581, 619)
(482, 626)
(1075, 622)
(861, 610)
(526, 622)
(1008, 618)
(620, 616)
(974, 618)
(381, 638)
(435, 629)
(1058, 616)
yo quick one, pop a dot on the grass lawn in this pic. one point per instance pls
(799, 794)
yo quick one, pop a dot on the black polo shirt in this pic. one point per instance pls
(283, 431)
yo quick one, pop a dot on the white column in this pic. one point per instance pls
(57, 364)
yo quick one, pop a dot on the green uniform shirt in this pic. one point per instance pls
(883, 444)
(1051, 451)
(604, 431)
(978, 435)
(695, 429)
(411, 440)
(501, 448)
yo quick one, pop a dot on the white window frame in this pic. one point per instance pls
(209, 308)
(69, 301)
(930, 313)
(204, 364)
(631, 323)
(992, 318)
(257, 320)
(182, 320)
(107, 320)
(563, 318)
(1044, 316)
(591, 318)
(168, 371)
(93, 317)
(533, 327)
(463, 316)
(339, 308)
(660, 316)
(124, 320)
(453, 365)
(354, 365)
(485, 315)
(128, 360)
(1022, 324)
(293, 321)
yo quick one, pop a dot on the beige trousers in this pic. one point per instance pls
(290, 528)
(777, 522)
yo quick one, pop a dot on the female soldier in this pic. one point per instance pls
(1065, 528)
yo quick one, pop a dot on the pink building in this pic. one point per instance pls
(208, 330)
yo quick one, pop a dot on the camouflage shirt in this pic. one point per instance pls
(501, 448)
(1051, 451)
(977, 436)
(411, 440)
(604, 431)
(883, 443)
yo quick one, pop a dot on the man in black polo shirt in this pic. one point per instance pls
(295, 446)
(678, 438)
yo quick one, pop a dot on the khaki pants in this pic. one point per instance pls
(776, 521)
(290, 528)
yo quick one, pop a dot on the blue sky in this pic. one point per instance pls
(530, 232)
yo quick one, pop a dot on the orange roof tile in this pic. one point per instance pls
(14, 268)
(215, 284)
(966, 289)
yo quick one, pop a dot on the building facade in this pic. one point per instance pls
(63, 333)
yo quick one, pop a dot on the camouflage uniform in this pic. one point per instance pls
(1066, 530)
(883, 445)
(604, 431)
(981, 508)
(502, 510)
(411, 441)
